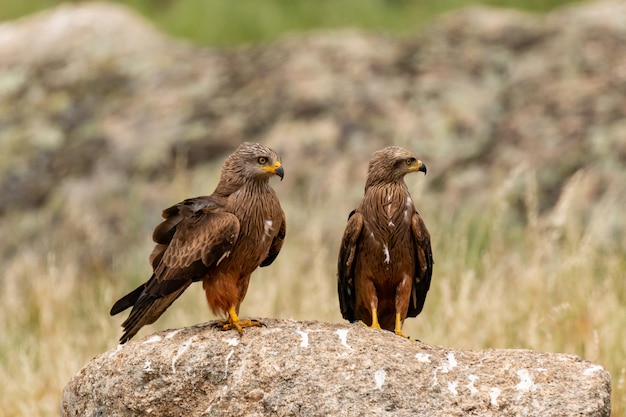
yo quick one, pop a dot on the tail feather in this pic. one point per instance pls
(139, 316)
(127, 301)
(146, 310)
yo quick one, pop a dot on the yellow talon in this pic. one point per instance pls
(375, 324)
(398, 328)
(233, 322)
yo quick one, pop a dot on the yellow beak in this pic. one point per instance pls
(419, 166)
(277, 169)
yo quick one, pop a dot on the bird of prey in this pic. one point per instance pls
(218, 239)
(385, 260)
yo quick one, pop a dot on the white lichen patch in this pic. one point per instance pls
(525, 381)
(379, 378)
(305, 338)
(494, 393)
(423, 357)
(233, 341)
(343, 337)
(181, 350)
(152, 339)
(172, 334)
(452, 363)
(232, 351)
(452, 387)
(445, 368)
(116, 351)
(592, 370)
(472, 378)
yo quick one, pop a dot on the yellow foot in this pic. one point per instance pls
(239, 324)
(400, 333)
(233, 322)
(373, 326)
(398, 328)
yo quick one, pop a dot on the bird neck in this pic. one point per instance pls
(228, 186)
(374, 184)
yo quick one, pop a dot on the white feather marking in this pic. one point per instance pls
(268, 227)
(390, 224)
(225, 255)
(409, 201)
(386, 254)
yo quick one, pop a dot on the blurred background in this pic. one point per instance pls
(113, 111)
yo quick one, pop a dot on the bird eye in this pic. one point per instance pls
(262, 160)
(410, 161)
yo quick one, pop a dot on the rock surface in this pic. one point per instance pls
(319, 369)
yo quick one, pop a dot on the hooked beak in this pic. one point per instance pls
(422, 167)
(276, 169)
(419, 166)
(279, 171)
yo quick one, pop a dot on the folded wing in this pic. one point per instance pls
(194, 237)
(423, 267)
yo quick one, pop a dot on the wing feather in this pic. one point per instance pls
(205, 237)
(345, 267)
(198, 241)
(424, 265)
(173, 215)
(277, 243)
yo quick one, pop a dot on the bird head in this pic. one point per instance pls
(391, 164)
(252, 161)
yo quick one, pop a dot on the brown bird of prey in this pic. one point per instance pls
(218, 239)
(385, 259)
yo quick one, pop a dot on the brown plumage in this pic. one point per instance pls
(385, 260)
(218, 239)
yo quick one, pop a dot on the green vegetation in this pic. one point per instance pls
(217, 22)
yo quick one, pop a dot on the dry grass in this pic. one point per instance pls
(551, 282)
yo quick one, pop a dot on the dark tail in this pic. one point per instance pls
(128, 300)
(146, 308)
(139, 316)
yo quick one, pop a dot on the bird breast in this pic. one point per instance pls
(387, 220)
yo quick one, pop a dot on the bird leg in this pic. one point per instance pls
(398, 328)
(233, 322)
(375, 324)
